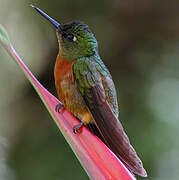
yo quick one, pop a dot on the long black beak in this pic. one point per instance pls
(55, 23)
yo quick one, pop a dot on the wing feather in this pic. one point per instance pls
(90, 83)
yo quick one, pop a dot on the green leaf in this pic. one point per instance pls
(4, 36)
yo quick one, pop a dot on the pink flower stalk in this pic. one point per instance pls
(96, 158)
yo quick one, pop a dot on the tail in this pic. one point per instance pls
(116, 139)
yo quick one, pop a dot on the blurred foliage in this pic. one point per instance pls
(138, 41)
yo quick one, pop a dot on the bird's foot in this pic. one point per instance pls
(76, 129)
(58, 107)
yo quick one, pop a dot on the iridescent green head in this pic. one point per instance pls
(75, 39)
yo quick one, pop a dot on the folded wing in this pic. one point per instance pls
(90, 77)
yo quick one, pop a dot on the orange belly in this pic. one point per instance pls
(68, 92)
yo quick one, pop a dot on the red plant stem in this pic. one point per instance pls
(97, 159)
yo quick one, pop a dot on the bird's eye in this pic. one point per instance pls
(71, 37)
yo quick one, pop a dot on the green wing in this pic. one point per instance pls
(90, 73)
(93, 81)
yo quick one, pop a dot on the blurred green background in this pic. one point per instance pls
(139, 43)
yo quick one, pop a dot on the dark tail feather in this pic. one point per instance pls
(116, 139)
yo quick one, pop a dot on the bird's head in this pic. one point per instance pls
(75, 39)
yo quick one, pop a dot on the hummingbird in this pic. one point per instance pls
(86, 89)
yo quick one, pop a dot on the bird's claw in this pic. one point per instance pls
(58, 107)
(76, 129)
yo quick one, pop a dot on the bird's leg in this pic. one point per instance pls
(77, 127)
(58, 107)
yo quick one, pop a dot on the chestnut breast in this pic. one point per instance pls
(68, 92)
